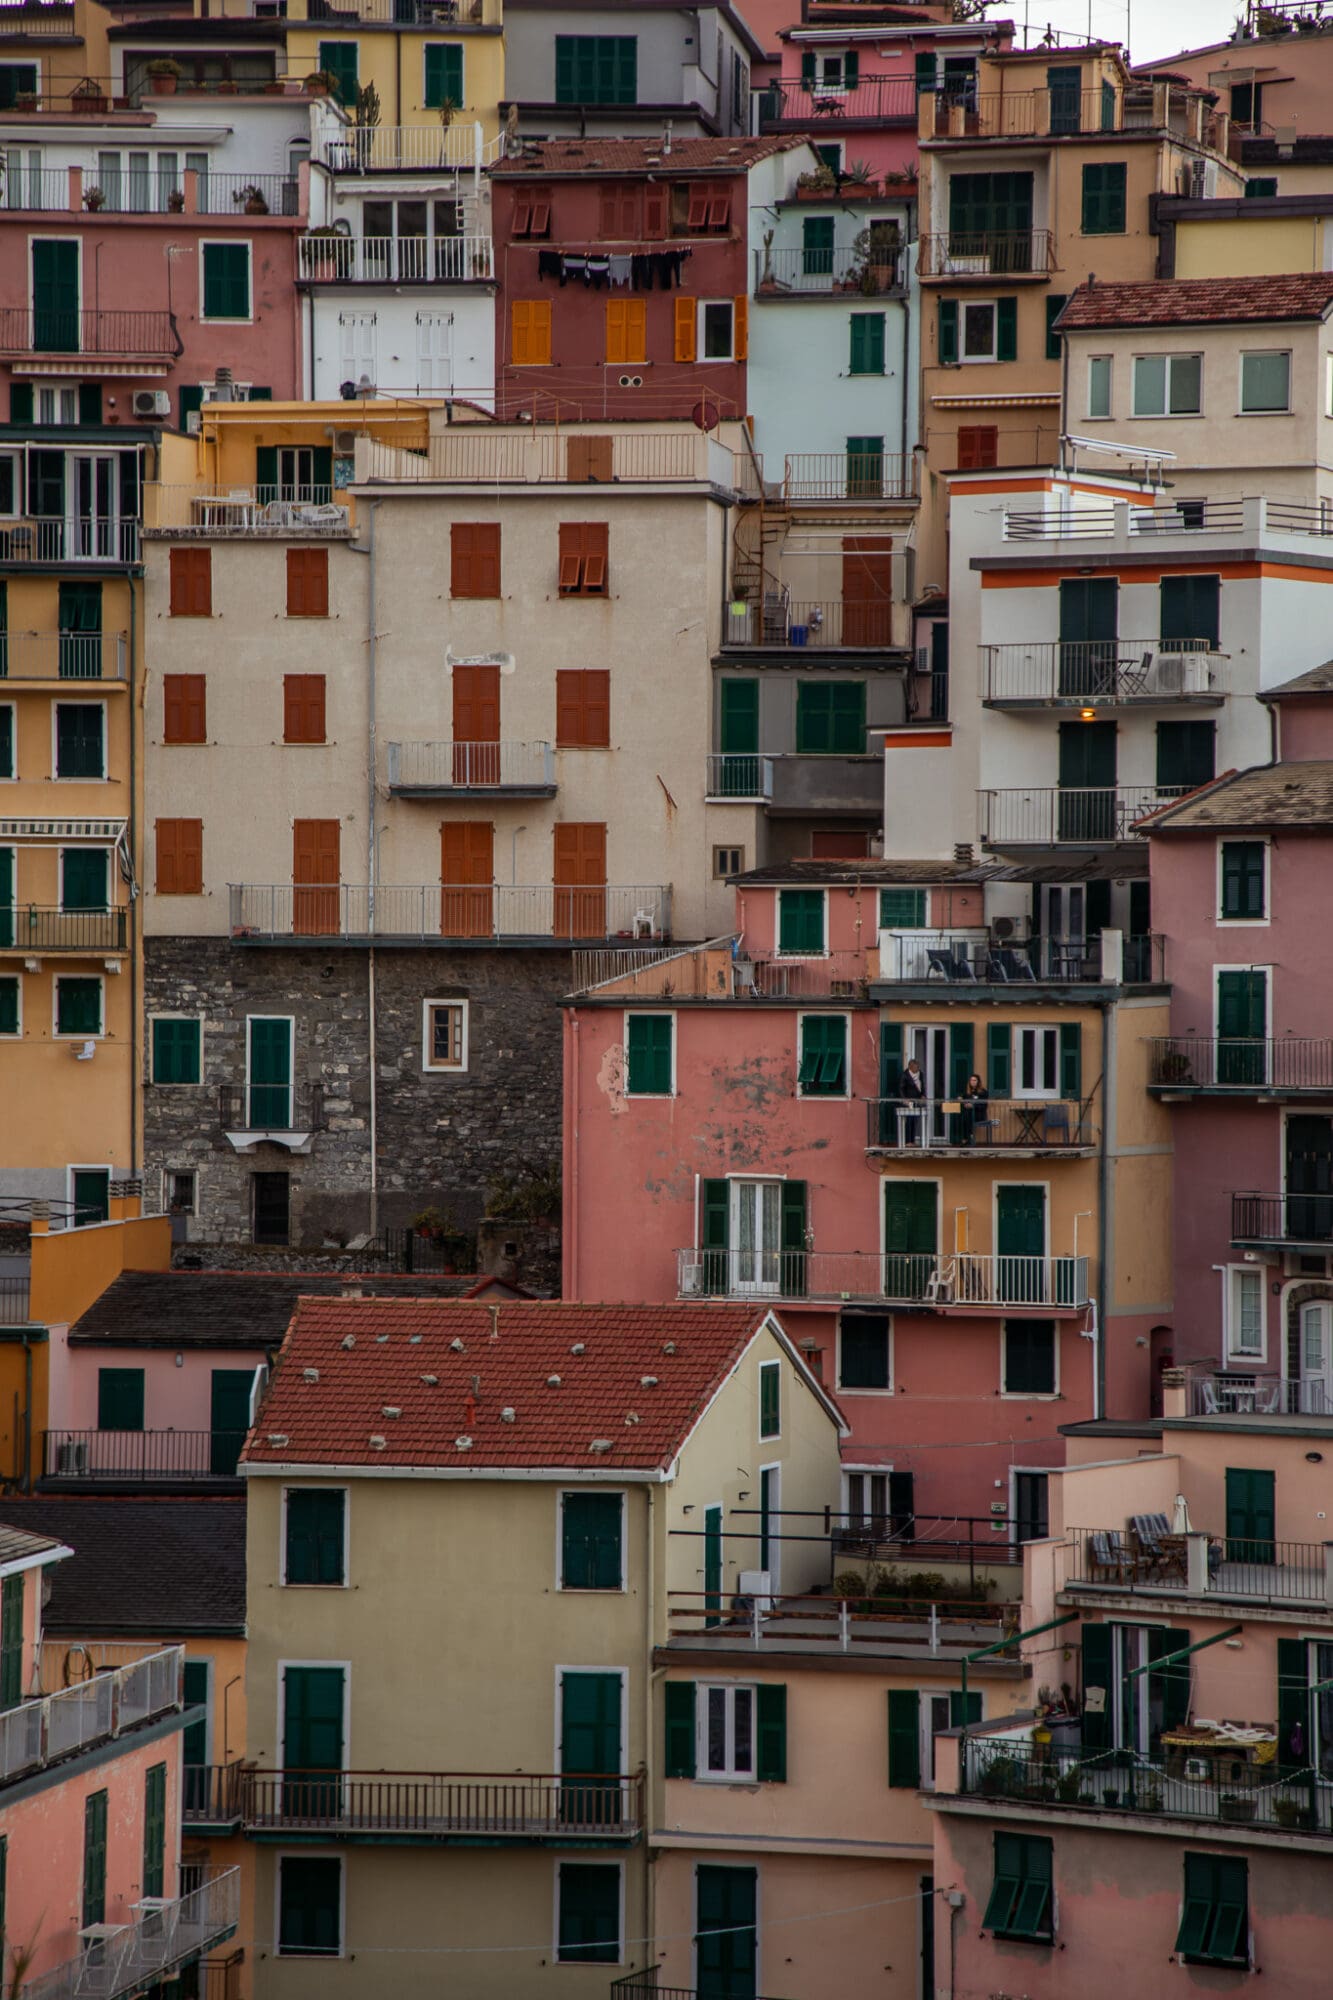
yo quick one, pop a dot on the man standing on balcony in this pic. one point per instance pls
(912, 1090)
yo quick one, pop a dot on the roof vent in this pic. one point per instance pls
(349, 1340)
(579, 1347)
(962, 853)
(377, 1443)
(553, 1381)
(463, 1444)
(647, 1381)
(668, 1347)
(456, 1346)
(310, 1374)
(380, 1339)
(414, 1340)
(391, 1410)
(633, 1417)
(430, 1380)
(600, 1444)
(277, 1437)
(507, 1414)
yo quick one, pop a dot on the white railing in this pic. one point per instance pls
(32, 187)
(140, 1955)
(1088, 815)
(449, 767)
(1057, 1282)
(227, 511)
(42, 540)
(519, 456)
(394, 260)
(461, 146)
(38, 1732)
(481, 912)
(1105, 671)
(1253, 517)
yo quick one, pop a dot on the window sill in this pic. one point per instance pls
(1028, 1937)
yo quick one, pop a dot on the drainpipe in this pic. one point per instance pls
(649, 1872)
(372, 844)
(1103, 1208)
(27, 1414)
(135, 696)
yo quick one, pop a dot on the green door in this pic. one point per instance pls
(11, 1642)
(911, 1237)
(1089, 622)
(1251, 1515)
(270, 1074)
(94, 1859)
(229, 1419)
(1065, 86)
(6, 895)
(1087, 781)
(726, 1941)
(738, 739)
(312, 1740)
(1309, 1201)
(713, 1564)
(80, 625)
(194, 1742)
(1020, 1244)
(92, 1195)
(55, 296)
(1242, 1025)
(590, 1747)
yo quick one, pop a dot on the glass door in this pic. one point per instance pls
(92, 527)
(756, 1236)
(1314, 1381)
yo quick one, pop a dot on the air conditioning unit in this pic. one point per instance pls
(757, 1585)
(71, 1460)
(152, 403)
(1194, 672)
(1002, 927)
(192, 423)
(1170, 675)
(691, 1281)
(344, 443)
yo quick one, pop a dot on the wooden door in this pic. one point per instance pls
(1251, 1514)
(579, 874)
(467, 876)
(476, 725)
(867, 590)
(726, 1938)
(316, 871)
(1086, 806)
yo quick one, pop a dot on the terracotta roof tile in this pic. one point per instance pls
(642, 156)
(522, 1386)
(1199, 301)
(1288, 794)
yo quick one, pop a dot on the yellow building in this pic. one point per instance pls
(422, 60)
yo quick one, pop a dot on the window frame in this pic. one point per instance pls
(867, 320)
(1265, 917)
(1242, 1959)
(620, 1589)
(1095, 362)
(572, 549)
(81, 778)
(804, 1090)
(1244, 409)
(857, 1389)
(966, 306)
(655, 1014)
(1050, 1395)
(586, 711)
(588, 1861)
(175, 1083)
(1045, 1034)
(769, 1371)
(702, 359)
(14, 980)
(309, 1854)
(1166, 411)
(342, 1583)
(1232, 1315)
(816, 951)
(207, 243)
(97, 1034)
(430, 1067)
(466, 562)
(730, 1775)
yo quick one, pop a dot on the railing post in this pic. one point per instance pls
(756, 1622)
(934, 1628)
(1196, 1562)
(844, 1624)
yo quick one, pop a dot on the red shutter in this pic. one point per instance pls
(523, 215)
(978, 447)
(303, 717)
(583, 708)
(180, 857)
(697, 217)
(474, 548)
(184, 708)
(307, 583)
(467, 873)
(191, 583)
(541, 216)
(316, 870)
(655, 212)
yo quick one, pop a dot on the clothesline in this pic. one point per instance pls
(640, 271)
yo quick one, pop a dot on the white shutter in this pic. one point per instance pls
(435, 350)
(356, 340)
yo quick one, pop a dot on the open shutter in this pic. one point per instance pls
(808, 68)
(771, 1733)
(684, 347)
(1055, 305)
(678, 1701)
(890, 1069)
(904, 1739)
(948, 333)
(1097, 1674)
(741, 326)
(266, 472)
(1071, 1060)
(1293, 1703)
(960, 1057)
(1006, 329)
(1173, 1683)
(997, 1058)
(793, 1238)
(925, 72)
(716, 1223)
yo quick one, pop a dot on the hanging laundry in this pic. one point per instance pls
(550, 264)
(620, 270)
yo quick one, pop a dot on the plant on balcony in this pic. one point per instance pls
(176, 202)
(1069, 1786)
(319, 83)
(1234, 1806)
(1294, 1814)
(448, 106)
(94, 198)
(1003, 1778)
(164, 73)
(88, 95)
(858, 179)
(1177, 1068)
(252, 198)
(817, 184)
(367, 105)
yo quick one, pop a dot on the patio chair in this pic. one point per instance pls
(1149, 1533)
(1055, 1125)
(962, 966)
(1268, 1402)
(996, 969)
(1109, 1558)
(1016, 967)
(1208, 1397)
(940, 962)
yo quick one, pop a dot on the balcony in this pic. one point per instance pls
(859, 476)
(882, 1623)
(92, 933)
(467, 1807)
(79, 539)
(459, 147)
(1101, 673)
(945, 1125)
(791, 101)
(838, 975)
(218, 513)
(795, 784)
(955, 255)
(980, 956)
(274, 1114)
(14, 1298)
(1286, 1065)
(121, 1959)
(464, 913)
(394, 260)
(87, 1458)
(1122, 526)
(1052, 114)
(1282, 1221)
(816, 273)
(64, 656)
(1199, 1564)
(47, 1728)
(150, 334)
(646, 1985)
(782, 623)
(965, 1284)
(1243, 1392)
(485, 455)
(450, 14)
(1044, 815)
(471, 770)
(211, 1797)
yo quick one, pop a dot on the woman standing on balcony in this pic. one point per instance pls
(976, 1098)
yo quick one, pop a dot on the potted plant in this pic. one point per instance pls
(448, 106)
(176, 202)
(164, 73)
(858, 179)
(817, 185)
(252, 198)
(94, 198)
(1002, 1778)
(25, 100)
(1293, 1813)
(1176, 1067)
(88, 96)
(320, 84)
(324, 255)
(1234, 1807)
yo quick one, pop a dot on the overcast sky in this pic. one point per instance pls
(1155, 27)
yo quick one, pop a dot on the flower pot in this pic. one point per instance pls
(256, 206)
(164, 86)
(1238, 1811)
(857, 190)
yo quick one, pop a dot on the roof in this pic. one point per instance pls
(1319, 680)
(877, 873)
(21, 1545)
(523, 1387)
(643, 156)
(227, 1308)
(1199, 301)
(164, 1568)
(1269, 795)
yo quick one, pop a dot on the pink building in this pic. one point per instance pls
(971, 1257)
(1247, 1070)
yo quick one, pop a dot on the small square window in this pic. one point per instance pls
(727, 861)
(822, 1062)
(717, 330)
(1265, 383)
(445, 1035)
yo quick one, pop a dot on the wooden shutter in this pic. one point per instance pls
(715, 1228)
(467, 876)
(590, 459)
(655, 213)
(474, 548)
(191, 583)
(316, 872)
(947, 333)
(583, 708)
(226, 280)
(998, 1043)
(648, 1055)
(792, 1242)
(904, 1739)
(579, 875)
(1172, 1683)
(684, 330)
(444, 74)
(184, 708)
(180, 857)
(530, 342)
(678, 1702)
(740, 326)
(696, 216)
(770, 1702)
(307, 583)
(303, 708)
(626, 329)
(583, 551)
(1097, 1674)
(176, 1051)
(1006, 329)
(978, 447)
(94, 1859)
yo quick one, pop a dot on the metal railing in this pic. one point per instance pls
(26, 927)
(472, 912)
(1202, 1564)
(89, 1456)
(904, 1277)
(40, 188)
(85, 539)
(896, 1125)
(211, 1793)
(845, 1624)
(646, 1985)
(52, 1726)
(460, 146)
(985, 253)
(393, 260)
(970, 1280)
(491, 767)
(476, 453)
(840, 475)
(429, 13)
(1240, 1063)
(64, 656)
(976, 956)
(1282, 1218)
(13, 1300)
(839, 975)
(1089, 815)
(789, 100)
(1024, 114)
(795, 622)
(1181, 517)
(820, 271)
(23, 331)
(736, 774)
(1244, 1392)
(271, 1107)
(230, 194)
(507, 1805)
(66, 1663)
(142, 1954)
(225, 512)
(1100, 672)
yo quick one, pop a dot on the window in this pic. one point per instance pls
(180, 857)
(183, 1192)
(1185, 755)
(1245, 1312)
(10, 1019)
(309, 1906)
(989, 330)
(816, 245)
(1244, 881)
(1265, 382)
(6, 727)
(1020, 1897)
(836, 72)
(737, 1733)
(443, 76)
(1261, 187)
(588, 1923)
(307, 583)
(592, 1541)
(1099, 385)
(704, 208)
(474, 559)
(177, 1049)
(154, 1830)
(902, 909)
(94, 1858)
(1214, 1922)
(1191, 614)
(801, 922)
(770, 1399)
(184, 708)
(1055, 305)
(1168, 385)
(532, 215)
(530, 333)
(619, 214)
(271, 1195)
(192, 583)
(863, 1350)
(1104, 199)
(444, 1034)
(339, 60)
(226, 270)
(626, 331)
(1036, 1062)
(11, 1642)
(303, 708)
(650, 1055)
(978, 447)
(582, 708)
(80, 739)
(727, 1728)
(1029, 1357)
(717, 330)
(727, 861)
(867, 355)
(83, 878)
(830, 718)
(315, 1535)
(78, 1007)
(583, 558)
(596, 69)
(120, 1399)
(822, 1070)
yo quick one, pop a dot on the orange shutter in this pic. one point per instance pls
(191, 583)
(476, 722)
(316, 870)
(741, 310)
(184, 710)
(684, 329)
(303, 719)
(579, 873)
(582, 708)
(616, 350)
(307, 583)
(474, 548)
(467, 872)
(531, 340)
(180, 857)
(520, 321)
(636, 331)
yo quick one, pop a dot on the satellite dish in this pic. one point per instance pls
(704, 416)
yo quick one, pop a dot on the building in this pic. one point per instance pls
(1269, 77)
(584, 1458)
(571, 69)
(955, 1274)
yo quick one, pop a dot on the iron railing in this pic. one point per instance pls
(434, 768)
(90, 1456)
(211, 1793)
(820, 271)
(1241, 1063)
(816, 624)
(470, 912)
(789, 100)
(25, 187)
(52, 1726)
(1199, 1563)
(13, 1300)
(738, 774)
(1087, 815)
(63, 656)
(394, 260)
(429, 13)
(839, 975)
(1181, 517)
(505, 1805)
(646, 1985)
(1282, 1218)
(976, 956)
(235, 194)
(901, 1125)
(905, 1277)
(26, 927)
(80, 539)
(1246, 1392)
(142, 1954)
(1028, 114)
(985, 253)
(92, 331)
(1103, 673)
(271, 1107)
(218, 512)
(367, 149)
(841, 475)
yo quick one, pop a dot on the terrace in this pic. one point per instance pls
(983, 957)
(462, 913)
(1238, 1066)
(1079, 816)
(1060, 112)
(1151, 1561)
(1101, 673)
(1121, 526)
(92, 332)
(46, 1728)
(1025, 1126)
(1282, 1221)
(120, 1959)
(525, 455)
(954, 254)
(453, 1807)
(394, 260)
(963, 1284)
(802, 272)
(218, 513)
(86, 539)
(461, 146)
(787, 781)
(76, 1459)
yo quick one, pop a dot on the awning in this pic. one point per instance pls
(63, 829)
(69, 364)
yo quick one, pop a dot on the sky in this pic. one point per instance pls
(1156, 28)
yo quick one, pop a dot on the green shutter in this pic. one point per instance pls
(902, 909)
(1097, 1674)
(1055, 305)
(270, 1050)
(822, 1070)
(309, 1899)
(1006, 329)
(20, 402)
(962, 1712)
(817, 246)
(94, 1859)
(961, 1062)
(1293, 1703)
(830, 721)
(80, 748)
(176, 1051)
(9, 1000)
(1020, 1898)
(90, 402)
(793, 1242)
(998, 1044)
(649, 1046)
(155, 1830)
(591, 1541)
(925, 73)
(316, 1535)
(226, 280)
(266, 472)
(904, 1739)
(78, 1006)
(444, 74)
(1172, 1683)
(83, 878)
(1261, 187)
(851, 70)
(1242, 878)
(11, 1642)
(716, 1222)
(867, 354)
(947, 338)
(678, 1707)
(1186, 754)
(770, 1399)
(589, 1913)
(1029, 1355)
(809, 74)
(191, 399)
(120, 1399)
(770, 1702)
(339, 60)
(1104, 199)
(800, 921)
(890, 1057)
(1190, 613)
(1214, 1923)
(1071, 1060)
(7, 751)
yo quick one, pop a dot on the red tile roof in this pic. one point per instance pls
(1199, 301)
(644, 156)
(390, 1382)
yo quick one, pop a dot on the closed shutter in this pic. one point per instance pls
(1294, 1735)
(1190, 613)
(339, 60)
(9, 992)
(740, 306)
(831, 718)
(715, 1229)
(1006, 329)
(626, 333)
(315, 1535)
(1071, 1060)
(867, 353)
(1186, 755)
(1242, 878)
(270, 1063)
(180, 857)
(266, 473)
(978, 449)
(309, 1900)
(474, 549)
(79, 740)
(947, 334)
(444, 75)
(78, 1008)
(770, 1702)
(911, 1236)
(176, 1051)
(154, 1830)
(822, 1070)
(1097, 1674)
(307, 583)
(11, 1642)
(94, 1859)
(1171, 1683)
(589, 1914)
(591, 1541)
(1104, 199)
(303, 717)
(184, 708)
(582, 708)
(998, 1043)
(649, 1040)
(226, 280)
(120, 1399)
(530, 337)
(191, 583)
(904, 1739)
(800, 921)
(678, 1701)
(684, 330)
(890, 1069)
(961, 1057)
(83, 878)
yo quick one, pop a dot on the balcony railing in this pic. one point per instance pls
(211, 1793)
(63, 656)
(23, 331)
(34, 188)
(1089, 816)
(884, 100)
(52, 1726)
(475, 454)
(986, 253)
(85, 539)
(1201, 1564)
(889, 1623)
(839, 975)
(393, 260)
(224, 512)
(25, 927)
(1058, 1283)
(504, 1805)
(271, 1107)
(1241, 1063)
(473, 913)
(13, 1299)
(840, 475)
(800, 781)
(948, 1124)
(1279, 1219)
(1243, 1392)
(902, 1277)
(427, 13)
(437, 769)
(646, 1985)
(137, 1956)
(1101, 673)
(230, 194)
(1182, 517)
(819, 272)
(1055, 114)
(89, 1457)
(863, 624)
(461, 146)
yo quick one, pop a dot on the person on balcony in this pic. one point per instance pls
(912, 1091)
(976, 1098)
